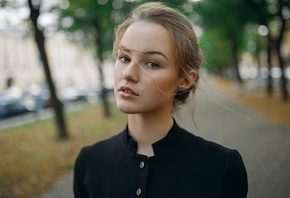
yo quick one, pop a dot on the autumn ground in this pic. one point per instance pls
(32, 159)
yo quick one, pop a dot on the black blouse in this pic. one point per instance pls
(183, 166)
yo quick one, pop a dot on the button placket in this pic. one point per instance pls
(142, 170)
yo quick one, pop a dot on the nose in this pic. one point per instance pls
(131, 72)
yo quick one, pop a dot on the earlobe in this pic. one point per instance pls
(188, 81)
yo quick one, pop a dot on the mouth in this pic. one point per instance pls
(127, 90)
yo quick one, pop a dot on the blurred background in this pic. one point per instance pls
(56, 74)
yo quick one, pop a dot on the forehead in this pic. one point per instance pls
(146, 36)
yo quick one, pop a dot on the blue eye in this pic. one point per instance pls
(152, 64)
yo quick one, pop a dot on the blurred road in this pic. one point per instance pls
(265, 147)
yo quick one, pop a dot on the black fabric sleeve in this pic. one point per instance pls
(78, 179)
(235, 182)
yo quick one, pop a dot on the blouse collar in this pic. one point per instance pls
(160, 147)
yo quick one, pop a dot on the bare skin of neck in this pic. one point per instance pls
(148, 129)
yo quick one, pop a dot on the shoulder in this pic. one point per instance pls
(226, 164)
(210, 153)
(203, 146)
(101, 148)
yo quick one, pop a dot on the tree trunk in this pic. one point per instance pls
(259, 65)
(40, 41)
(257, 55)
(269, 61)
(236, 65)
(283, 79)
(236, 61)
(278, 50)
(104, 92)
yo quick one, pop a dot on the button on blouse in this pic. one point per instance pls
(142, 164)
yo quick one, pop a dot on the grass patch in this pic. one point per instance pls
(32, 159)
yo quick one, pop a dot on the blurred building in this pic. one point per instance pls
(70, 64)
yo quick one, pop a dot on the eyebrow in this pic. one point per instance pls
(151, 52)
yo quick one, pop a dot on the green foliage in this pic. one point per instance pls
(215, 50)
(93, 22)
(223, 23)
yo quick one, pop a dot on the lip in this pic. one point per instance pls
(127, 91)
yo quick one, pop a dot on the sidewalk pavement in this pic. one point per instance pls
(264, 146)
(63, 188)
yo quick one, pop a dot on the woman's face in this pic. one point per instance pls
(145, 76)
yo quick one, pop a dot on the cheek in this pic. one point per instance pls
(117, 73)
(168, 83)
(162, 86)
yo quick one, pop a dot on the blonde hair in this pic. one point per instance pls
(187, 52)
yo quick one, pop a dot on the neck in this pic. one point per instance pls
(147, 130)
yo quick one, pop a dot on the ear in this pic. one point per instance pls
(189, 80)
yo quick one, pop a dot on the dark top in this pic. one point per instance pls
(183, 166)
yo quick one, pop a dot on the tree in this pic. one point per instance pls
(218, 62)
(217, 17)
(34, 7)
(40, 41)
(272, 15)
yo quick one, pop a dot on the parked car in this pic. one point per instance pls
(71, 94)
(43, 99)
(93, 94)
(36, 101)
(11, 93)
(10, 108)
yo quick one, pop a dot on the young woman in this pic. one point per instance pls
(157, 64)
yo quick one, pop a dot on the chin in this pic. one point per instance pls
(127, 107)
(129, 110)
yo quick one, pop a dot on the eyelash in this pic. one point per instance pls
(127, 59)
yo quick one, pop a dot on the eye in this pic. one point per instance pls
(152, 64)
(124, 59)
